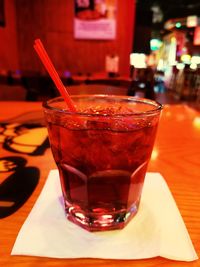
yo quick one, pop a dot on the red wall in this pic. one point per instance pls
(8, 39)
(52, 21)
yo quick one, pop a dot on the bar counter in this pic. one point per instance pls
(176, 156)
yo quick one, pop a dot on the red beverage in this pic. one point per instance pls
(102, 155)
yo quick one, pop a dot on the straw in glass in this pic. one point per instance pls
(38, 46)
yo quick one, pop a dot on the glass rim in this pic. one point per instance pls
(157, 106)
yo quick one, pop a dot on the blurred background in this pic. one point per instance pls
(148, 48)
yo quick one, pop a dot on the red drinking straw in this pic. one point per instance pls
(38, 46)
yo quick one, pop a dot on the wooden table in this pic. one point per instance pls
(176, 156)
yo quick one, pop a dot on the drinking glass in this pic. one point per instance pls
(102, 153)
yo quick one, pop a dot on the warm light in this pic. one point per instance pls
(138, 60)
(151, 60)
(196, 122)
(173, 40)
(186, 58)
(169, 25)
(154, 154)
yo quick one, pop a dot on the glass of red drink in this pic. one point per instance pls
(102, 152)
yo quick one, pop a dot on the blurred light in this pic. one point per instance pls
(173, 40)
(196, 122)
(169, 25)
(172, 51)
(160, 64)
(192, 21)
(185, 50)
(186, 58)
(195, 59)
(178, 25)
(193, 66)
(180, 66)
(157, 13)
(154, 154)
(155, 44)
(151, 60)
(196, 39)
(138, 60)
(141, 85)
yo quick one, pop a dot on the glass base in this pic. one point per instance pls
(101, 220)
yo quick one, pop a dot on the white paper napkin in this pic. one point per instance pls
(156, 230)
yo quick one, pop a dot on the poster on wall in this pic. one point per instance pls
(95, 19)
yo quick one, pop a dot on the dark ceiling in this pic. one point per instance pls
(173, 8)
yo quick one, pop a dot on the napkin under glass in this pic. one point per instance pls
(156, 230)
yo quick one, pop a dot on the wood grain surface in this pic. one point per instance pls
(52, 22)
(176, 156)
